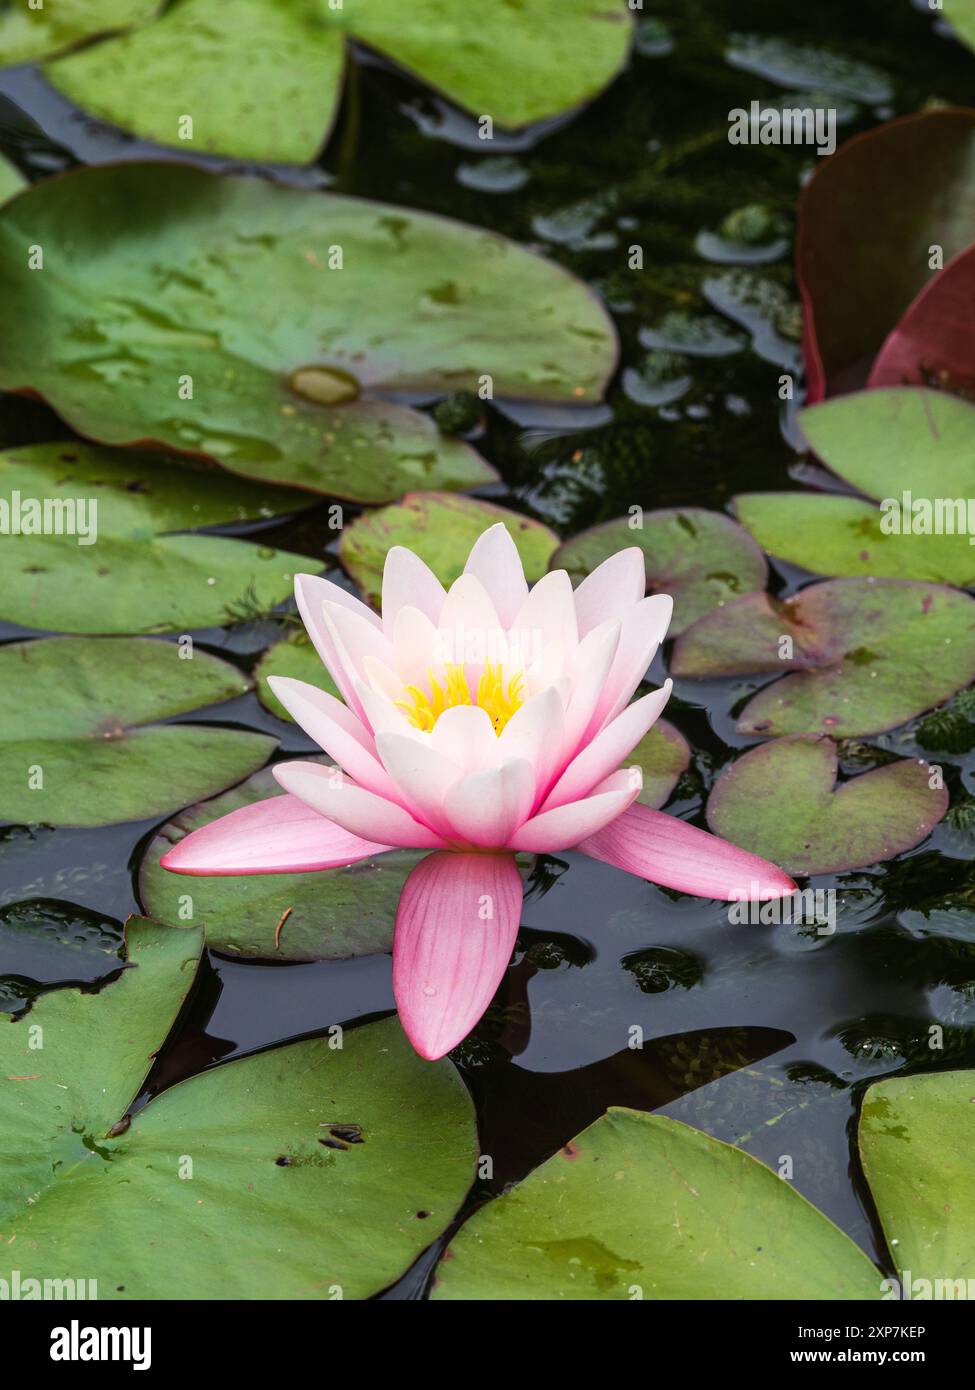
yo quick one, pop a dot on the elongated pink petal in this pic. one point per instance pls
(278, 836)
(456, 927)
(567, 825)
(417, 646)
(362, 813)
(354, 639)
(335, 729)
(547, 615)
(311, 595)
(612, 588)
(422, 776)
(608, 749)
(485, 808)
(409, 582)
(589, 673)
(535, 732)
(495, 561)
(644, 628)
(666, 850)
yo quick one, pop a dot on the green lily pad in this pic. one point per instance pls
(886, 442)
(808, 68)
(640, 1206)
(330, 915)
(916, 1136)
(155, 283)
(293, 656)
(663, 755)
(441, 529)
(11, 180)
(78, 741)
(237, 1165)
(702, 558)
(960, 14)
(915, 178)
(519, 63)
(119, 572)
(866, 654)
(780, 800)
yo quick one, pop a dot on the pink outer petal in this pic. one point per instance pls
(335, 729)
(456, 926)
(311, 595)
(644, 628)
(666, 850)
(547, 615)
(608, 749)
(495, 561)
(612, 588)
(278, 836)
(360, 812)
(590, 670)
(409, 583)
(567, 825)
(485, 808)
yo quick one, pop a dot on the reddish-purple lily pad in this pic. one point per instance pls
(868, 220)
(934, 342)
(702, 559)
(863, 655)
(781, 801)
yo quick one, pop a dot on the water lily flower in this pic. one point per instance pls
(476, 723)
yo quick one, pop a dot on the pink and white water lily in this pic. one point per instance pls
(477, 723)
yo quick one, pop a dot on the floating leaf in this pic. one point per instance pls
(518, 64)
(960, 14)
(238, 1164)
(916, 1137)
(329, 915)
(78, 741)
(808, 68)
(780, 800)
(887, 442)
(114, 570)
(663, 755)
(294, 656)
(866, 654)
(11, 180)
(639, 1205)
(156, 283)
(441, 529)
(702, 558)
(934, 342)
(915, 178)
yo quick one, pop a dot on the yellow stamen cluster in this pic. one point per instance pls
(500, 698)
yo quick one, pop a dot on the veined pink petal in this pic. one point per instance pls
(644, 628)
(335, 729)
(612, 588)
(311, 595)
(608, 749)
(362, 813)
(590, 670)
(535, 732)
(485, 808)
(417, 646)
(666, 850)
(378, 709)
(456, 927)
(354, 639)
(278, 836)
(469, 612)
(422, 775)
(409, 582)
(567, 825)
(495, 561)
(547, 615)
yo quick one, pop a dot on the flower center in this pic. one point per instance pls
(501, 698)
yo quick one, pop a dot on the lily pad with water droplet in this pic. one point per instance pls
(80, 737)
(808, 68)
(914, 177)
(293, 656)
(915, 1139)
(159, 330)
(702, 558)
(863, 655)
(642, 1206)
(237, 1164)
(887, 442)
(441, 529)
(663, 756)
(329, 915)
(519, 64)
(99, 555)
(780, 800)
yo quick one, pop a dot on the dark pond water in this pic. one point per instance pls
(762, 1036)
